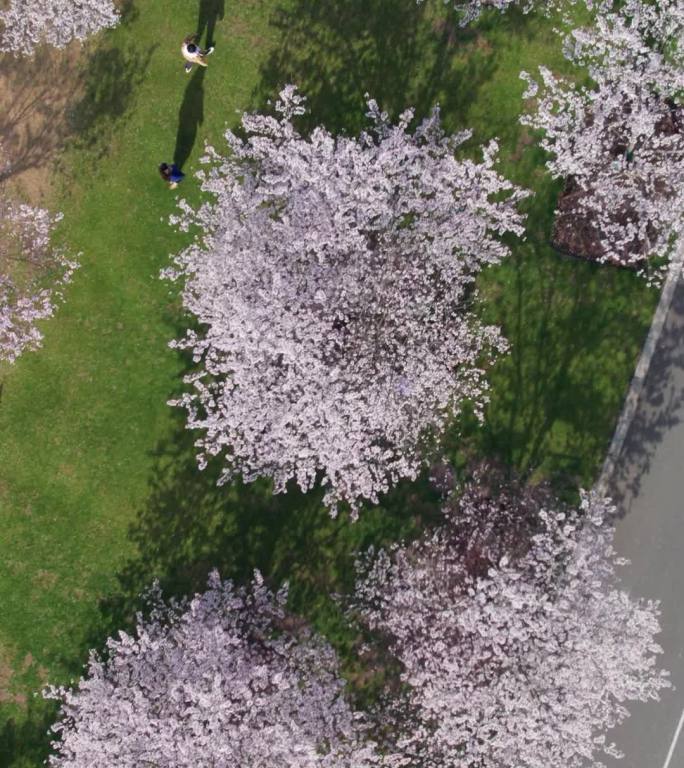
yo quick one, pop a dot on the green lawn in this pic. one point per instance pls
(98, 486)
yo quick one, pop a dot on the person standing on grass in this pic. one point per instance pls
(171, 174)
(193, 54)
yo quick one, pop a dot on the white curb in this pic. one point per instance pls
(637, 384)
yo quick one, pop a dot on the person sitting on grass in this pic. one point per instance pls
(193, 54)
(171, 174)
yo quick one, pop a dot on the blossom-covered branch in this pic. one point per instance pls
(32, 275)
(27, 24)
(221, 681)
(333, 280)
(620, 143)
(517, 644)
(470, 10)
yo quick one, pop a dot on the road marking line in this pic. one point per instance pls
(674, 741)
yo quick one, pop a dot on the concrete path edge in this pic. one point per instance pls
(643, 365)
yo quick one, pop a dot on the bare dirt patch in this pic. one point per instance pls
(36, 97)
(44, 579)
(447, 29)
(67, 470)
(7, 693)
(483, 45)
(6, 673)
(525, 139)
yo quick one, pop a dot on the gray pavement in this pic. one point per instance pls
(648, 487)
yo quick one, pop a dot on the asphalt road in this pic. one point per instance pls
(648, 487)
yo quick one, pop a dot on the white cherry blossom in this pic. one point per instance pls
(227, 679)
(518, 646)
(620, 142)
(333, 282)
(32, 274)
(28, 23)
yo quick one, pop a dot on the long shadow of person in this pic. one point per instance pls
(190, 117)
(210, 11)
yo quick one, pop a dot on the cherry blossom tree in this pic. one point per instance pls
(333, 280)
(227, 679)
(470, 10)
(517, 644)
(32, 275)
(29, 23)
(619, 143)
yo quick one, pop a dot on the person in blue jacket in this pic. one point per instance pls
(171, 174)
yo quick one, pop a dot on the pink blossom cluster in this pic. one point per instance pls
(517, 645)
(32, 275)
(333, 282)
(27, 24)
(469, 10)
(227, 679)
(621, 140)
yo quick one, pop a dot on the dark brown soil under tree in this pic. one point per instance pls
(576, 231)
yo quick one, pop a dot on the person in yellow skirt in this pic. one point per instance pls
(193, 54)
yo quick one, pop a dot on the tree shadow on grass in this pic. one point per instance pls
(35, 94)
(575, 331)
(24, 738)
(111, 78)
(128, 11)
(74, 96)
(191, 526)
(210, 12)
(339, 50)
(190, 117)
